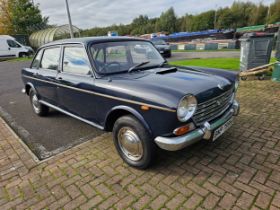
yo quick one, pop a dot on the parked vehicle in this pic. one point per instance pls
(163, 47)
(10, 48)
(124, 85)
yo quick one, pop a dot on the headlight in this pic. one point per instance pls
(186, 108)
(236, 85)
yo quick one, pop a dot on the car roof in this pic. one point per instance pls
(90, 40)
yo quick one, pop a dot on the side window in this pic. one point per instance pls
(13, 44)
(76, 61)
(50, 58)
(36, 61)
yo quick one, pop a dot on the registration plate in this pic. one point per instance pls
(161, 51)
(222, 129)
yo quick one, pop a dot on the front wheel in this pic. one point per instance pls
(38, 108)
(133, 142)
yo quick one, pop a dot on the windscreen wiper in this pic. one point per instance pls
(137, 66)
(162, 64)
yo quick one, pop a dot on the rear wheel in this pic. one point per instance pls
(133, 142)
(38, 108)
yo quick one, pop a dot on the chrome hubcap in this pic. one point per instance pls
(130, 144)
(35, 103)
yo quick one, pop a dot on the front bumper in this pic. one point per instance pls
(205, 132)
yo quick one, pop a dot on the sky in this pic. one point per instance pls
(99, 13)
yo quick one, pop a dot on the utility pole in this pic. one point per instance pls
(69, 19)
(215, 19)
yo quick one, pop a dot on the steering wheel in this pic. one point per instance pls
(107, 65)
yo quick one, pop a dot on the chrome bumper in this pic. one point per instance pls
(205, 132)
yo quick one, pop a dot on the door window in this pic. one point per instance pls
(76, 61)
(50, 58)
(13, 44)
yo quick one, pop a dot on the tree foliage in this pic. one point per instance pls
(239, 14)
(20, 17)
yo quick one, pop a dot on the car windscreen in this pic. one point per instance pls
(120, 56)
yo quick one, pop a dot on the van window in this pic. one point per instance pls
(75, 60)
(50, 58)
(13, 44)
(36, 61)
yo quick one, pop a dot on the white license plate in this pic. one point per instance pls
(222, 129)
(161, 51)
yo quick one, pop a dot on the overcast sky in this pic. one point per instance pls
(92, 13)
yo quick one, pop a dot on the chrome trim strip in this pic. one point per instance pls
(70, 114)
(104, 95)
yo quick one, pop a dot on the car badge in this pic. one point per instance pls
(219, 103)
(220, 87)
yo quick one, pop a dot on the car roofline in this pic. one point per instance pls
(92, 40)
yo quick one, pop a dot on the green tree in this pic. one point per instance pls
(274, 14)
(258, 15)
(203, 21)
(26, 17)
(167, 21)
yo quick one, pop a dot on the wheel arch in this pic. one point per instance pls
(28, 87)
(120, 111)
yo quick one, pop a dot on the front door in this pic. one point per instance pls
(13, 48)
(76, 81)
(47, 73)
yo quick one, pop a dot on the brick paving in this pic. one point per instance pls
(239, 171)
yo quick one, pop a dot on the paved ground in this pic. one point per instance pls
(46, 136)
(203, 54)
(241, 170)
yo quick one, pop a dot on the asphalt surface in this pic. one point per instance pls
(45, 136)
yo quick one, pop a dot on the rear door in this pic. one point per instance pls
(76, 82)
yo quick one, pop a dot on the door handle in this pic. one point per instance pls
(35, 74)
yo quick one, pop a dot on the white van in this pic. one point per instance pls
(10, 48)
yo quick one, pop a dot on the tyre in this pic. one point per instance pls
(133, 142)
(38, 108)
(23, 55)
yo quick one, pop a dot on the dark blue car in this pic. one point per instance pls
(124, 85)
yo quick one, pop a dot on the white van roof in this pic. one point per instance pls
(6, 37)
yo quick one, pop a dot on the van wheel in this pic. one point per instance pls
(23, 55)
(38, 108)
(133, 142)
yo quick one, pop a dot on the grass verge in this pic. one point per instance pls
(221, 50)
(20, 59)
(221, 63)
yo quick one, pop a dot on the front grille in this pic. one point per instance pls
(212, 108)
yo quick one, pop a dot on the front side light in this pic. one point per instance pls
(186, 108)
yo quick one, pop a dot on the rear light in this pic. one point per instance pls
(184, 129)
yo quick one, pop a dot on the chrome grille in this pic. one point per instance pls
(212, 108)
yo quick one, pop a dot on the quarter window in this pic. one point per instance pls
(50, 58)
(75, 61)
(36, 60)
